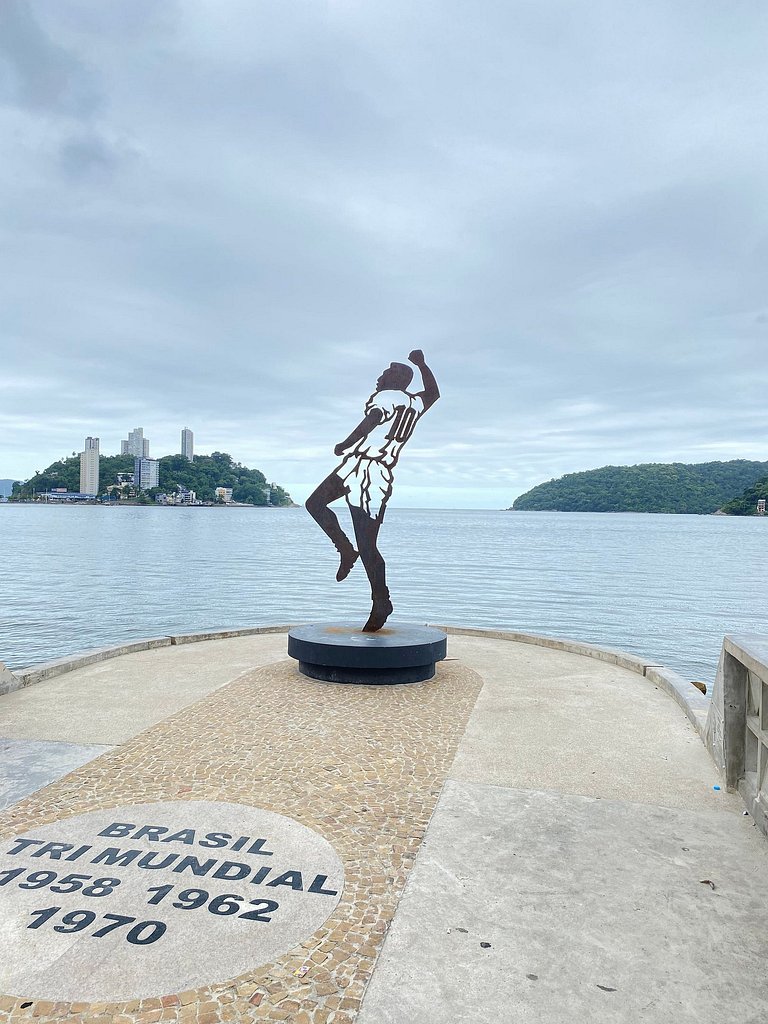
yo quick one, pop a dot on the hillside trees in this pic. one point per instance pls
(677, 487)
(746, 503)
(203, 475)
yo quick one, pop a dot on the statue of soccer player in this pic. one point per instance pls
(364, 476)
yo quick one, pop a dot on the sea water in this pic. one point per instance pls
(661, 586)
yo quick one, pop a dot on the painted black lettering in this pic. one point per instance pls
(317, 886)
(264, 910)
(152, 833)
(146, 861)
(156, 931)
(260, 875)
(118, 921)
(289, 878)
(186, 836)
(240, 843)
(216, 840)
(53, 850)
(78, 852)
(22, 844)
(114, 855)
(195, 866)
(232, 869)
(117, 830)
(257, 848)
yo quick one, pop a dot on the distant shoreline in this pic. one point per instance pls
(135, 504)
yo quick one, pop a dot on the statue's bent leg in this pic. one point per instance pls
(331, 489)
(366, 534)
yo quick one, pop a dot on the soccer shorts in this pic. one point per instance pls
(369, 483)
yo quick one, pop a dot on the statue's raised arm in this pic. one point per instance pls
(431, 392)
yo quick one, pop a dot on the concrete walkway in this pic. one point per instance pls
(578, 865)
(53, 727)
(575, 836)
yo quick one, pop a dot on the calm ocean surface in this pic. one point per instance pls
(665, 587)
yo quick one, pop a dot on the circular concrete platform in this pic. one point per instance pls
(339, 653)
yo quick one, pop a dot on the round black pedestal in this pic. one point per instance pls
(338, 653)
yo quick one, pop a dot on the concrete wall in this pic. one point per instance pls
(690, 699)
(10, 681)
(694, 704)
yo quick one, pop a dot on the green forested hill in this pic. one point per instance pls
(207, 472)
(699, 488)
(746, 503)
(66, 473)
(203, 475)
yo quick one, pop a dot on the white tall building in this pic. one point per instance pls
(187, 443)
(146, 473)
(136, 445)
(89, 467)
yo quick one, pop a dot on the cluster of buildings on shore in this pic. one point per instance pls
(145, 477)
(146, 471)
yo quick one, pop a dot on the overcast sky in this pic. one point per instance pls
(232, 214)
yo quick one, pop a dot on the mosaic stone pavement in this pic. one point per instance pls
(361, 765)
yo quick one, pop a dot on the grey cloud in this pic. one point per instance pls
(51, 81)
(87, 154)
(40, 74)
(563, 204)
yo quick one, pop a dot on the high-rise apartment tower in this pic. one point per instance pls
(136, 445)
(146, 473)
(187, 444)
(89, 467)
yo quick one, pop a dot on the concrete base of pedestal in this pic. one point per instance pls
(339, 653)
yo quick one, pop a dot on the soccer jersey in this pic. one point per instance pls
(400, 413)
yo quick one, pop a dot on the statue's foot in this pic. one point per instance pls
(379, 614)
(348, 558)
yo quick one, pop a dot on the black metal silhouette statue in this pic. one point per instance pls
(365, 479)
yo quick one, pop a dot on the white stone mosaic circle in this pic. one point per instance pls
(156, 898)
